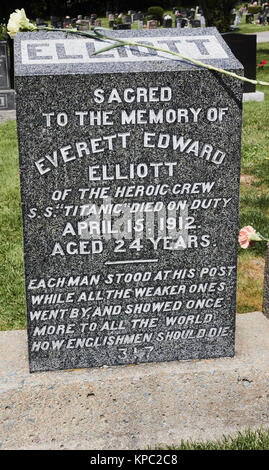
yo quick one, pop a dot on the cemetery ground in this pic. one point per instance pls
(243, 27)
(254, 210)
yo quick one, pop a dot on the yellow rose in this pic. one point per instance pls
(19, 22)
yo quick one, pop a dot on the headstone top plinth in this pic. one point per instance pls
(46, 53)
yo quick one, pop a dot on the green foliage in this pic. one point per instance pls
(118, 21)
(254, 201)
(3, 32)
(148, 18)
(218, 13)
(36, 9)
(189, 3)
(156, 13)
(254, 10)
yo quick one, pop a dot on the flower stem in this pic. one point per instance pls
(265, 239)
(119, 43)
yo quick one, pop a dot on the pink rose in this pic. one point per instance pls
(244, 237)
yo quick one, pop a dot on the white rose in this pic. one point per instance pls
(13, 25)
(19, 22)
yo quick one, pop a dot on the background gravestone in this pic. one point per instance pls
(129, 167)
(7, 96)
(4, 75)
(244, 47)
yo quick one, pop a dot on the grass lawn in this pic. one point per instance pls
(248, 440)
(254, 199)
(244, 28)
(254, 210)
(12, 306)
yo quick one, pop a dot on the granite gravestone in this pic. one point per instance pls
(7, 96)
(129, 167)
(244, 48)
(4, 75)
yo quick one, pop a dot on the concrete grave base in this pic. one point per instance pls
(133, 407)
(9, 115)
(255, 96)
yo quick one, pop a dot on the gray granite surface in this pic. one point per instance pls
(55, 52)
(159, 132)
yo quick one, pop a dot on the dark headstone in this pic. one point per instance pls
(167, 23)
(123, 26)
(181, 22)
(249, 17)
(196, 23)
(4, 69)
(10, 44)
(7, 95)
(129, 187)
(56, 22)
(244, 48)
(41, 22)
(191, 14)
